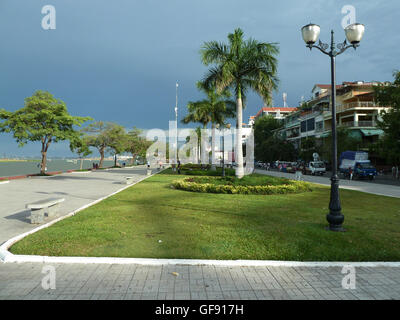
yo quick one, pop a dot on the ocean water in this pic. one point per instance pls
(17, 168)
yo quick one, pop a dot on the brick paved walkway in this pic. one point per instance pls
(84, 282)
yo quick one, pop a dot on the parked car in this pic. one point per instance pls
(291, 167)
(315, 168)
(285, 166)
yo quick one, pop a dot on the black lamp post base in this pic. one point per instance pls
(335, 222)
(335, 229)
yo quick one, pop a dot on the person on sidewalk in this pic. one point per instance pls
(299, 174)
(350, 173)
(179, 167)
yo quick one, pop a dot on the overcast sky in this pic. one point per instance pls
(119, 60)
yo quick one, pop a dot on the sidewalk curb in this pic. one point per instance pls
(10, 258)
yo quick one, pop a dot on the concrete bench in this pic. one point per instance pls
(42, 207)
(129, 180)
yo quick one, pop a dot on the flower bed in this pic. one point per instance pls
(253, 184)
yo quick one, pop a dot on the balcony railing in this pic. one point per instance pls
(368, 124)
(357, 104)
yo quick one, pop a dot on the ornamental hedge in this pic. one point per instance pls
(221, 185)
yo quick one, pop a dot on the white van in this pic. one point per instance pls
(316, 168)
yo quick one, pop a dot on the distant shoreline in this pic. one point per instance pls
(50, 159)
(19, 160)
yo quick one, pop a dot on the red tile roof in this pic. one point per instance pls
(327, 86)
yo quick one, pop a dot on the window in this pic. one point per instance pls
(310, 124)
(304, 126)
(319, 126)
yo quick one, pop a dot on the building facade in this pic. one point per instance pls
(355, 109)
(277, 112)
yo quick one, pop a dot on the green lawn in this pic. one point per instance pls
(222, 226)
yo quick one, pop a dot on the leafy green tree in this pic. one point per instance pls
(81, 148)
(118, 140)
(105, 137)
(43, 119)
(137, 144)
(241, 65)
(345, 141)
(263, 130)
(389, 95)
(308, 147)
(275, 148)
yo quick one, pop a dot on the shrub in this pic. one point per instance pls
(229, 185)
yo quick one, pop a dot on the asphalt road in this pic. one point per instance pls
(374, 187)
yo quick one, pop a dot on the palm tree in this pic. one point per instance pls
(241, 65)
(215, 109)
(220, 108)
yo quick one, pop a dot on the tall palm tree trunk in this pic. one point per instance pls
(204, 153)
(213, 167)
(239, 150)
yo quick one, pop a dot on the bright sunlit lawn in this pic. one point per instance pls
(223, 226)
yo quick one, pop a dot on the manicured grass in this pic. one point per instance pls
(224, 226)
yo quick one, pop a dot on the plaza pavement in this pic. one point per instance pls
(134, 282)
(130, 281)
(364, 186)
(77, 188)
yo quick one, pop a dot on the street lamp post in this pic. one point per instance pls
(354, 34)
(176, 124)
(223, 152)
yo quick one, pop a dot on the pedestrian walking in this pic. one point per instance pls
(299, 174)
(350, 173)
(179, 167)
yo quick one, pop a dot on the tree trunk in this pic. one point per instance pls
(101, 158)
(45, 146)
(198, 149)
(239, 149)
(213, 147)
(205, 158)
(43, 163)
